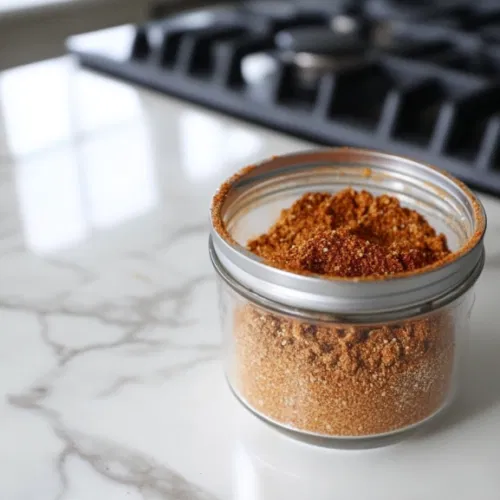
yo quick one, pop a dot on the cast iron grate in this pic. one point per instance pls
(419, 80)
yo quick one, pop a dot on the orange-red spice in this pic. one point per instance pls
(342, 379)
(350, 234)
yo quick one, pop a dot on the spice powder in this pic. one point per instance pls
(345, 380)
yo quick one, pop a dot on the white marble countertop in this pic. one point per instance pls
(110, 382)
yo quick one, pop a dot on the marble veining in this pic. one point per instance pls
(74, 330)
(111, 384)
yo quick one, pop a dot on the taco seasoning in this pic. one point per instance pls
(344, 318)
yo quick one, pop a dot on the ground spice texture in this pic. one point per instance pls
(350, 234)
(345, 380)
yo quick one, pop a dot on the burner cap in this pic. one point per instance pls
(319, 41)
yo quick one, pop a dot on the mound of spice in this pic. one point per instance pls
(338, 379)
(350, 234)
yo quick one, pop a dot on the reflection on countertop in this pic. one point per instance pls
(89, 153)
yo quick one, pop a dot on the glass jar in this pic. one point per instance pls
(344, 361)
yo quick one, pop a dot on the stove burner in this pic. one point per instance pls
(415, 78)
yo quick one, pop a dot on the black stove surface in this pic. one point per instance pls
(420, 79)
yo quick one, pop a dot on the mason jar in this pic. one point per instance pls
(346, 362)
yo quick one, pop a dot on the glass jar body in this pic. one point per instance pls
(350, 359)
(329, 379)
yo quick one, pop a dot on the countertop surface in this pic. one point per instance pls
(110, 380)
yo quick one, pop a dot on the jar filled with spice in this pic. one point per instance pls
(345, 283)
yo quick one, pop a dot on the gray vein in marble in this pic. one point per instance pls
(85, 275)
(60, 465)
(109, 459)
(112, 461)
(179, 296)
(131, 336)
(66, 355)
(97, 313)
(122, 382)
(134, 316)
(143, 306)
(57, 349)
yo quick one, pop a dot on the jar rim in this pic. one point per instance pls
(236, 258)
(413, 312)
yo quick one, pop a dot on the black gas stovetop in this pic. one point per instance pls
(419, 80)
